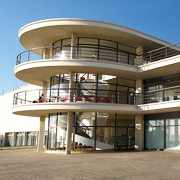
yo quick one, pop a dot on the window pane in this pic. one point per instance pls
(105, 138)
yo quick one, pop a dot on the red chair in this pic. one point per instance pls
(41, 100)
(76, 145)
(88, 98)
(107, 100)
(78, 98)
(97, 99)
(63, 99)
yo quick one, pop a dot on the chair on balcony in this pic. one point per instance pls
(97, 99)
(171, 98)
(107, 99)
(178, 96)
(88, 98)
(78, 98)
(64, 99)
(41, 99)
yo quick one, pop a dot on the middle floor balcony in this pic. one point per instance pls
(45, 101)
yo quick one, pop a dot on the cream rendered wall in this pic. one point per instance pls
(16, 123)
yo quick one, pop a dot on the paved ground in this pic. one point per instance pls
(28, 164)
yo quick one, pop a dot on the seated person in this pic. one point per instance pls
(40, 100)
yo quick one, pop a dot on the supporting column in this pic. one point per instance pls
(139, 132)
(139, 52)
(69, 132)
(71, 86)
(40, 147)
(73, 46)
(46, 53)
(45, 86)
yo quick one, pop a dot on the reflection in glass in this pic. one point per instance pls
(19, 139)
(32, 138)
(105, 138)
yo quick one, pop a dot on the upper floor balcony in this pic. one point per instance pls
(86, 52)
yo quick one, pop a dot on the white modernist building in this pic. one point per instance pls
(104, 86)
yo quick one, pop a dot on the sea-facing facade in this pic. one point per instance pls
(104, 86)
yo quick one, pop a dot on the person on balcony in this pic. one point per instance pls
(40, 100)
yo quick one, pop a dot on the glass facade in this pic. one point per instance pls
(32, 138)
(9, 139)
(94, 88)
(20, 139)
(57, 131)
(94, 48)
(92, 131)
(162, 131)
(164, 88)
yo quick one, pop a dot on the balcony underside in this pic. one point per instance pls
(35, 72)
(45, 108)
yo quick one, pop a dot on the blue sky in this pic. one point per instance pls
(159, 18)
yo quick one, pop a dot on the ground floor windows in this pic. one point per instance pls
(92, 131)
(9, 139)
(21, 139)
(162, 131)
(31, 138)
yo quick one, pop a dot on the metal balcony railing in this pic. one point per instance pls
(160, 95)
(79, 52)
(67, 95)
(162, 53)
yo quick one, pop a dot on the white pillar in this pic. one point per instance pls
(71, 86)
(46, 53)
(44, 91)
(69, 132)
(139, 132)
(73, 46)
(139, 52)
(40, 147)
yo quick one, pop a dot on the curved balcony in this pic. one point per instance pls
(67, 95)
(79, 52)
(35, 103)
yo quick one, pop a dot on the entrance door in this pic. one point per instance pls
(124, 138)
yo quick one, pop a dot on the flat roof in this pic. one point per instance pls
(45, 32)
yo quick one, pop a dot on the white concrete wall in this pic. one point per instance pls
(15, 123)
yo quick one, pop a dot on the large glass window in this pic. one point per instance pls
(20, 139)
(31, 138)
(155, 134)
(103, 131)
(94, 88)
(162, 131)
(9, 139)
(57, 131)
(95, 48)
(92, 131)
(165, 88)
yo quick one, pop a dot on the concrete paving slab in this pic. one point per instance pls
(27, 164)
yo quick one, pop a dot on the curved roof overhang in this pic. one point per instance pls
(44, 33)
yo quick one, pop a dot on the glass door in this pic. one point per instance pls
(124, 138)
(121, 138)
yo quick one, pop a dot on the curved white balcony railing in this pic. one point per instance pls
(79, 52)
(67, 95)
